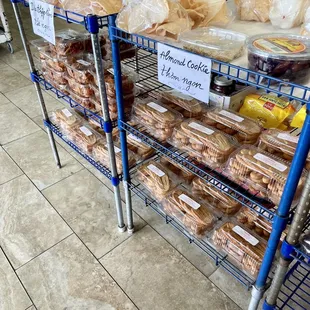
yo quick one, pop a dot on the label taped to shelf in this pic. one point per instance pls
(192, 203)
(156, 170)
(186, 72)
(245, 235)
(42, 15)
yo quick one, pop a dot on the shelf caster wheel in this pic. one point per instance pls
(122, 229)
(10, 48)
(131, 231)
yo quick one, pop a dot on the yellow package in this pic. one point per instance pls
(299, 118)
(269, 110)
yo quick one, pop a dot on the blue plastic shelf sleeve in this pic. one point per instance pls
(92, 24)
(296, 170)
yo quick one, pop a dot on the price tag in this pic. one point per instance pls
(186, 72)
(42, 15)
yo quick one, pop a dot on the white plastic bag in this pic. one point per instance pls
(256, 10)
(305, 29)
(287, 14)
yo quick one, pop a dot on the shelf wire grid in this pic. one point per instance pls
(73, 17)
(243, 75)
(104, 170)
(295, 292)
(220, 259)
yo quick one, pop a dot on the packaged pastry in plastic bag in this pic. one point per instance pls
(244, 129)
(245, 247)
(204, 143)
(299, 118)
(196, 215)
(262, 172)
(305, 28)
(269, 110)
(288, 14)
(217, 43)
(281, 144)
(157, 179)
(80, 68)
(66, 118)
(256, 10)
(80, 89)
(215, 196)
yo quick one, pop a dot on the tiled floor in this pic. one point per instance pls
(60, 248)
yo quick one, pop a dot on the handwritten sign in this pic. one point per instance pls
(42, 15)
(185, 72)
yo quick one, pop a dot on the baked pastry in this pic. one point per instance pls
(241, 245)
(254, 10)
(85, 138)
(262, 172)
(215, 196)
(80, 89)
(281, 144)
(66, 118)
(157, 179)
(79, 69)
(206, 144)
(127, 85)
(196, 216)
(177, 169)
(244, 129)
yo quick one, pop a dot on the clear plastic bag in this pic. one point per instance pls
(256, 10)
(305, 29)
(287, 14)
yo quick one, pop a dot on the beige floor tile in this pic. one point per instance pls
(17, 60)
(29, 224)
(68, 277)
(8, 169)
(11, 79)
(31, 308)
(27, 100)
(34, 155)
(155, 276)
(195, 255)
(12, 294)
(231, 287)
(14, 124)
(89, 210)
(3, 99)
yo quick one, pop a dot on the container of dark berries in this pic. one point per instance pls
(286, 57)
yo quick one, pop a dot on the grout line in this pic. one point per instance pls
(31, 307)
(12, 179)
(72, 233)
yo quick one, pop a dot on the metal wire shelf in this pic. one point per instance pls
(243, 75)
(104, 170)
(235, 191)
(295, 292)
(72, 17)
(219, 259)
(73, 104)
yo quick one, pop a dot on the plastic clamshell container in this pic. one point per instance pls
(80, 89)
(62, 88)
(157, 117)
(262, 172)
(79, 68)
(244, 129)
(83, 101)
(215, 196)
(284, 56)
(217, 43)
(281, 144)
(177, 169)
(197, 216)
(58, 78)
(137, 146)
(66, 118)
(101, 154)
(243, 246)
(204, 143)
(69, 42)
(157, 179)
(193, 106)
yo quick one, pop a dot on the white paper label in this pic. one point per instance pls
(42, 15)
(186, 72)
(201, 128)
(157, 107)
(232, 116)
(135, 138)
(245, 235)
(156, 170)
(117, 150)
(67, 112)
(270, 162)
(86, 131)
(287, 137)
(192, 203)
(111, 70)
(83, 62)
